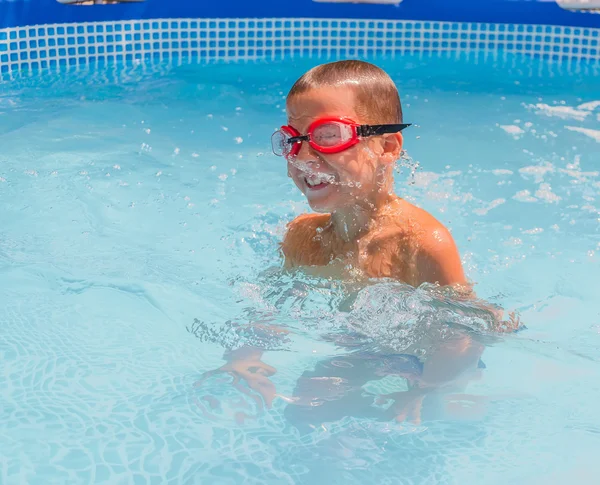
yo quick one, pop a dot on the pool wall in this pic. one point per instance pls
(15, 13)
(41, 34)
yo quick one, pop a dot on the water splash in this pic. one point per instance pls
(408, 163)
(385, 316)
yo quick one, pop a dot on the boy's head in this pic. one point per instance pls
(356, 93)
(376, 98)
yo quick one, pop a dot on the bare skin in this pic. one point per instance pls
(401, 242)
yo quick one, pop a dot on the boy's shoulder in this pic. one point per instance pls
(309, 222)
(411, 229)
(407, 219)
(305, 227)
(301, 245)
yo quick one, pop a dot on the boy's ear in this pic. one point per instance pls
(392, 147)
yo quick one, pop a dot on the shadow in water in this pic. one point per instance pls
(399, 354)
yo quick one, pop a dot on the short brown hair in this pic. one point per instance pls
(377, 98)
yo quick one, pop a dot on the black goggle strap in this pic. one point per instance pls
(297, 139)
(373, 130)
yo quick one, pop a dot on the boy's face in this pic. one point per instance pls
(338, 180)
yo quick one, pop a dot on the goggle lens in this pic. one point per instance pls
(280, 143)
(331, 135)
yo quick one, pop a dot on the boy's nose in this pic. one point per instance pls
(307, 154)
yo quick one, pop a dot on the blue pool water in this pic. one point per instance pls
(141, 212)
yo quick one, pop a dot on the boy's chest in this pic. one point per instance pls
(371, 257)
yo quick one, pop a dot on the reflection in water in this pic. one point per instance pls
(408, 353)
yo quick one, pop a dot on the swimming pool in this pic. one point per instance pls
(141, 215)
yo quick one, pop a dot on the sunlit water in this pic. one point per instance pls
(141, 212)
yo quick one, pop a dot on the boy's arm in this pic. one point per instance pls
(286, 248)
(291, 243)
(438, 260)
(245, 364)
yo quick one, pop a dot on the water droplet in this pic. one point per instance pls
(239, 140)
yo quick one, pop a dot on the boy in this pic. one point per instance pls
(341, 143)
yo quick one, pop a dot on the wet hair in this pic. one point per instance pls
(377, 98)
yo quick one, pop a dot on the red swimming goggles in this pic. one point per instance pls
(327, 135)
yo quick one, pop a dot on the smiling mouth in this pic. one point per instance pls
(315, 185)
(314, 179)
(318, 181)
